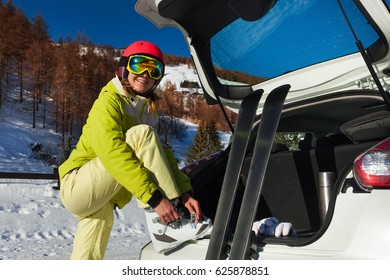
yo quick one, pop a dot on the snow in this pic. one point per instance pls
(34, 225)
(177, 74)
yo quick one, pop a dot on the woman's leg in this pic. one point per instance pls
(148, 148)
(93, 233)
(86, 193)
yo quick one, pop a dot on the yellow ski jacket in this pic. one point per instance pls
(103, 136)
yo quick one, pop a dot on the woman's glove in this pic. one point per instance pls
(272, 227)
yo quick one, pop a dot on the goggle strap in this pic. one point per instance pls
(123, 72)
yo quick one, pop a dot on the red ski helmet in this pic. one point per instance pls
(143, 47)
(139, 47)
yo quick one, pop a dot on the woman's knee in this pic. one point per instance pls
(88, 189)
(141, 129)
(138, 135)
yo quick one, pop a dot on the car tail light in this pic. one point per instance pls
(372, 168)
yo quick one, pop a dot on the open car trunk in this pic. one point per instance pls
(330, 60)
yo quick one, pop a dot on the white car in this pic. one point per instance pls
(312, 71)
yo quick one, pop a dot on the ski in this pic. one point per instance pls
(246, 116)
(272, 110)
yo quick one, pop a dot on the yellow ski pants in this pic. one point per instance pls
(87, 192)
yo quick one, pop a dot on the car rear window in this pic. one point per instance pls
(292, 35)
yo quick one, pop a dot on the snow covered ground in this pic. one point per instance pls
(33, 223)
(35, 226)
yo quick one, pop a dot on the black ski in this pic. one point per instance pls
(239, 144)
(269, 122)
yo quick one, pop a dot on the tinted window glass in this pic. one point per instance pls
(293, 35)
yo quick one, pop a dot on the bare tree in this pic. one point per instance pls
(39, 56)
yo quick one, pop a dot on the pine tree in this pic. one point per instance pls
(206, 142)
(214, 142)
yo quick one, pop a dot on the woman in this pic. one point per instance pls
(119, 155)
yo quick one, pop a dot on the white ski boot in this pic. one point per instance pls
(169, 236)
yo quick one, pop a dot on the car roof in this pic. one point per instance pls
(246, 45)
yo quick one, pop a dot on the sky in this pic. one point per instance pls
(114, 23)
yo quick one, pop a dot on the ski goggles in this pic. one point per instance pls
(138, 64)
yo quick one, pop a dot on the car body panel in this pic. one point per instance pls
(359, 238)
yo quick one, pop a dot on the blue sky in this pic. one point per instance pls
(105, 22)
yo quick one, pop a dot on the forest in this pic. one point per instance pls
(70, 73)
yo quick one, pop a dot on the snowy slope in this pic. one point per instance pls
(33, 223)
(179, 73)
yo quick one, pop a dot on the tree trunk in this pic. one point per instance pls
(33, 110)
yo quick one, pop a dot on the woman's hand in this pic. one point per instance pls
(166, 211)
(193, 206)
